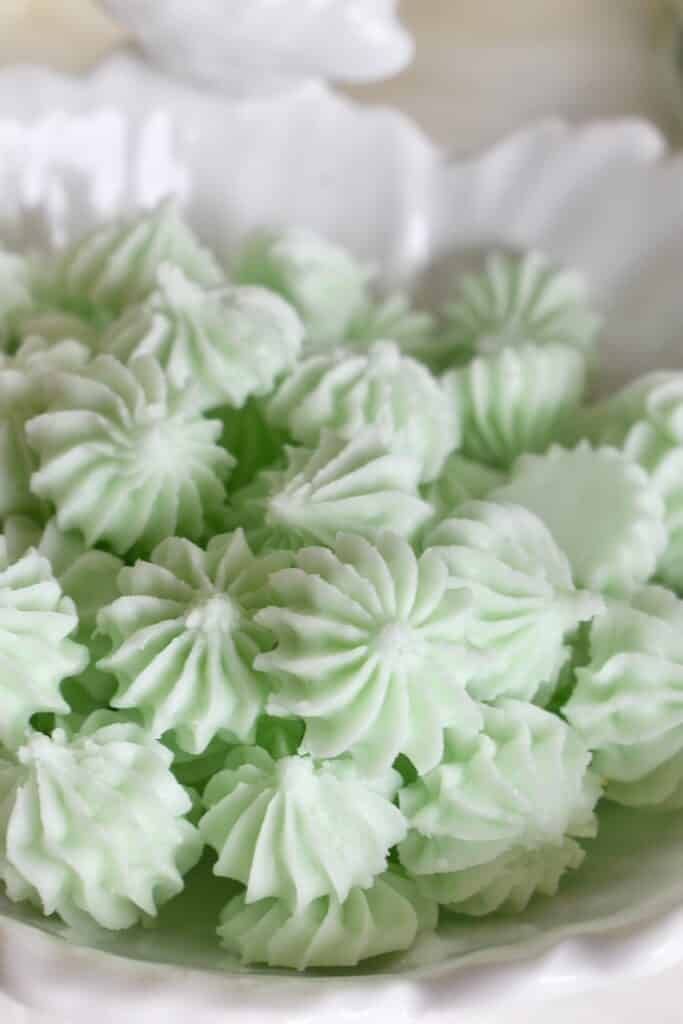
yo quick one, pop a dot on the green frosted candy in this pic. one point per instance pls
(321, 280)
(358, 486)
(386, 918)
(394, 319)
(601, 509)
(628, 701)
(517, 300)
(26, 381)
(183, 639)
(15, 293)
(126, 458)
(524, 603)
(88, 577)
(92, 827)
(645, 420)
(294, 829)
(116, 264)
(228, 343)
(346, 392)
(519, 399)
(370, 651)
(36, 654)
(498, 818)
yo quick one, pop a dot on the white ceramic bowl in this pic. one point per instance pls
(603, 198)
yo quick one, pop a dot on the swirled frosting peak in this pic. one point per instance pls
(93, 827)
(26, 380)
(619, 546)
(36, 652)
(183, 639)
(521, 299)
(126, 458)
(645, 420)
(15, 292)
(359, 486)
(344, 392)
(524, 603)
(498, 818)
(228, 343)
(628, 701)
(385, 918)
(370, 651)
(294, 829)
(116, 264)
(519, 399)
(321, 280)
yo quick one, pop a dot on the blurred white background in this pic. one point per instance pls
(483, 68)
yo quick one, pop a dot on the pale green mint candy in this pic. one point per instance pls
(183, 639)
(524, 602)
(519, 399)
(92, 827)
(358, 486)
(26, 382)
(370, 651)
(294, 829)
(394, 319)
(36, 652)
(126, 458)
(15, 293)
(600, 507)
(116, 264)
(628, 702)
(346, 392)
(229, 343)
(87, 576)
(645, 420)
(517, 300)
(497, 820)
(386, 918)
(323, 282)
(461, 480)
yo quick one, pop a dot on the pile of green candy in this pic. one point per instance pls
(369, 607)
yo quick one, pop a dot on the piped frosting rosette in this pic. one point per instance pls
(524, 602)
(184, 640)
(37, 653)
(295, 829)
(370, 651)
(87, 576)
(461, 480)
(628, 701)
(517, 300)
(92, 827)
(26, 381)
(126, 458)
(323, 282)
(386, 918)
(15, 293)
(345, 392)
(498, 819)
(519, 399)
(645, 420)
(619, 546)
(117, 264)
(358, 486)
(227, 343)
